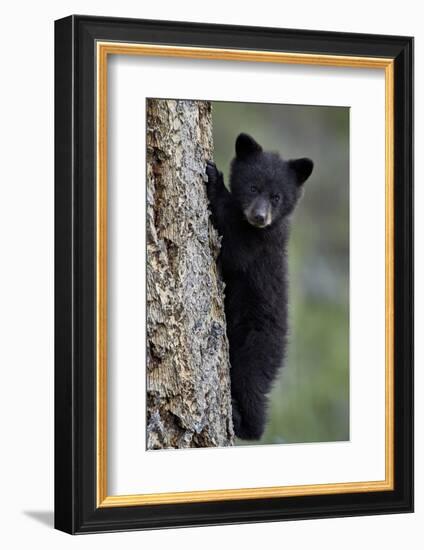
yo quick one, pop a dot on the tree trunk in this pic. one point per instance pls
(188, 383)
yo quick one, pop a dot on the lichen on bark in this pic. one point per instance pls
(188, 382)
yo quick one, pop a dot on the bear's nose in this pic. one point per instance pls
(259, 219)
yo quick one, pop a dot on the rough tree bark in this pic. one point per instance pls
(188, 384)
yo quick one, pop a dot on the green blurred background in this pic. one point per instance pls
(310, 399)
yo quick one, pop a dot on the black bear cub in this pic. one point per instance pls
(253, 220)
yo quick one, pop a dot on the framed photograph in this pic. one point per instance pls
(234, 274)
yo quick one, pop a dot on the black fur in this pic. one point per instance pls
(253, 220)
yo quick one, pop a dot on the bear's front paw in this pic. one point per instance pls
(236, 416)
(213, 173)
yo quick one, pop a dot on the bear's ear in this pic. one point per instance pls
(302, 169)
(246, 146)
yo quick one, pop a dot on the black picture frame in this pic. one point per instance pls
(76, 509)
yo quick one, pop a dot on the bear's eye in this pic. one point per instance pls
(254, 189)
(275, 198)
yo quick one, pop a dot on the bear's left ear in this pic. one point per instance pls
(302, 169)
(246, 146)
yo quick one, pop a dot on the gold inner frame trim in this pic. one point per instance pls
(103, 49)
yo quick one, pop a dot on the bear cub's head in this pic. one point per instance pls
(266, 187)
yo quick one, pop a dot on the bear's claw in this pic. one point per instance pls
(212, 172)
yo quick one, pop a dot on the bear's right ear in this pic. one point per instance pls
(246, 146)
(302, 168)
